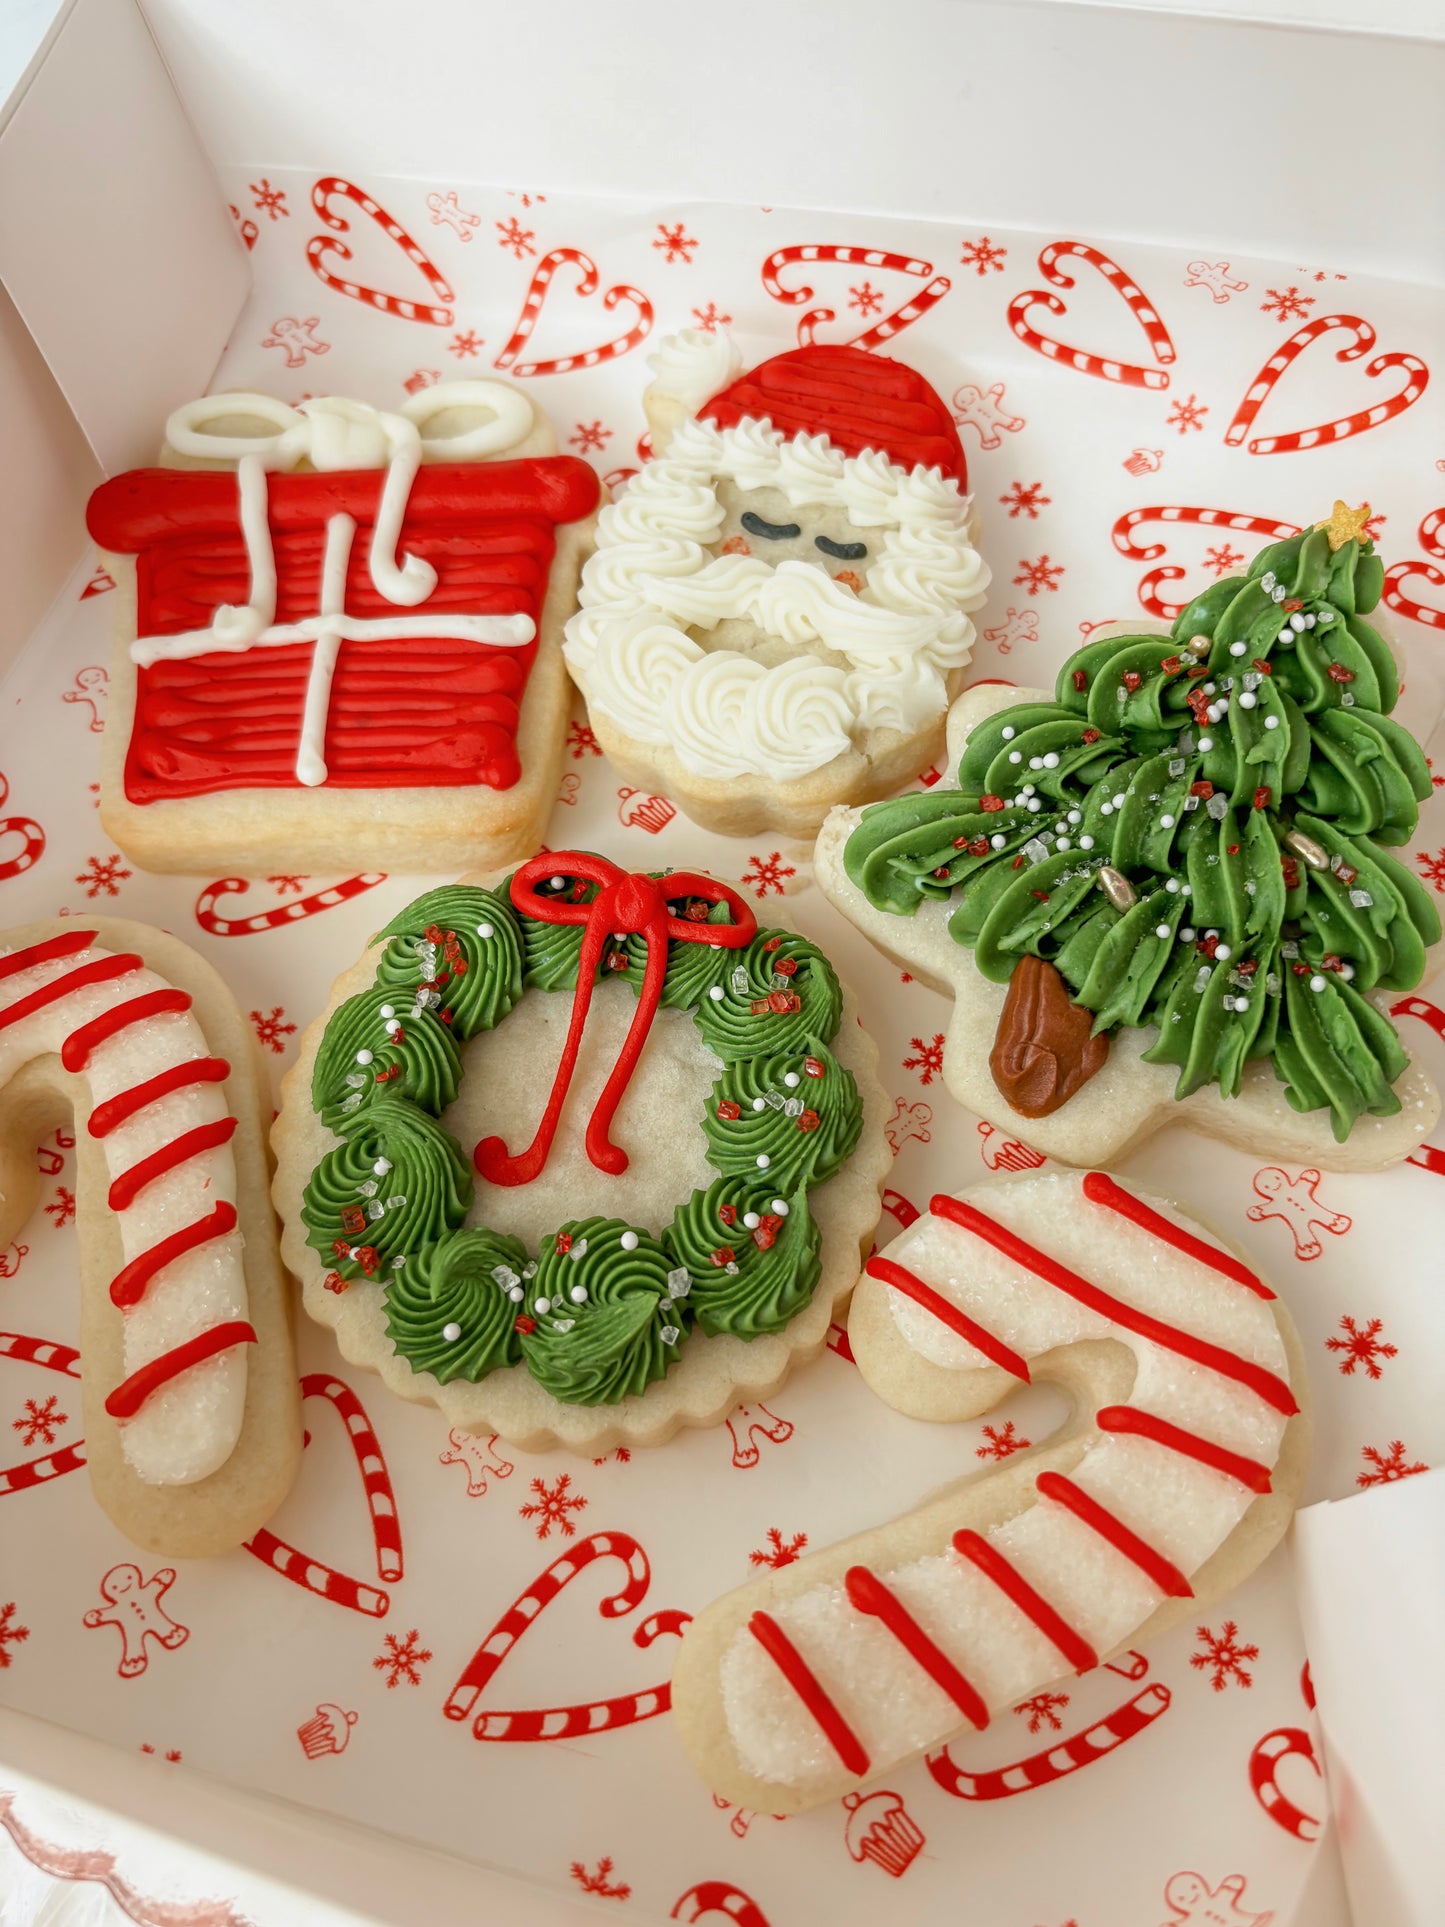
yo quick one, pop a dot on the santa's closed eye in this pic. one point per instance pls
(841, 551)
(770, 531)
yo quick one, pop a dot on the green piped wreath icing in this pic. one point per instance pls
(1237, 949)
(388, 1203)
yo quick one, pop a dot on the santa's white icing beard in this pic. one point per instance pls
(764, 662)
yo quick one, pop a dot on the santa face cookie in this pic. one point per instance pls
(339, 633)
(777, 612)
(1166, 891)
(1175, 1475)
(192, 1409)
(581, 1157)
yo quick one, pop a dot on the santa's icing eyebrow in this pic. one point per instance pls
(811, 662)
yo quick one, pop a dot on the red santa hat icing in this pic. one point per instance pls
(858, 400)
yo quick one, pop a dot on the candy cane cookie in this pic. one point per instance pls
(1175, 1475)
(192, 1418)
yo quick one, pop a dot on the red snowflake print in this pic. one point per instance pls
(401, 1659)
(39, 1423)
(623, 1456)
(1388, 1466)
(1187, 414)
(1223, 1656)
(552, 1505)
(1432, 868)
(11, 1633)
(1042, 574)
(590, 435)
(929, 1061)
(1361, 1347)
(526, 199)
(778, 1552)
(288, 886)
(582, 741)
(61, 1208)
(103, 876)
(1223, 559)
(172, 1753)
(270, 1031)
(601, 1882)
(270, 200)
(516, 237)
(676, 243)
(865, 298)
(1287, 304)
(709, 319)
(983, 255)
(1025, 498)
(1000, 1443)
(1041, 1710)
(766, 873)
(470, 343)
(1375, 525)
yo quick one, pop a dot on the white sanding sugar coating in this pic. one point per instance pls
(189, 1426)
(1182, 1508)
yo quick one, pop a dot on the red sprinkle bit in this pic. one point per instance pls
(1300, 969)
(353, 1218)
(334, 1282)
(1291, 872)
(1131, 679)
(1207, 946)
(1290, 604)
(1265, 667)
(697, 911)
(1042, 895)
(766, 1236)
(773, 943)
(759, 1006)
(1091, 736)
(580, 887)
(563, 1239)
(1330, 961)
(1249, 966)
(434, 933)
(728, 1112)
(1231, 849)
(1261, 797)
(368, 1258)
(340, 1248)
(942, 874)
(812, 1067)
(1347, 873)
(808, 1121)
(990, 802)
(1337, 672)
(728, 1213)
(1081, 681)
(786, 967)
(445, 1016)
(724, 1255)
(1171, 665)
(525, 1325)
(784, 1003)
(979, 846)
(1198, 706)
(1017, 864)
(1201, 789)
(771, 1222)
(617, 960)
(398, 1036)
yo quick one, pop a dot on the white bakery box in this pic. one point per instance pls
(174, 178)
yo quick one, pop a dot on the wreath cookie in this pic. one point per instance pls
(581, 1157)
(1165, 892)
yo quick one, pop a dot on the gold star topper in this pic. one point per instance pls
(1346, 525)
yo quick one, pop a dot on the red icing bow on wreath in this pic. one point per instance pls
(625, 906)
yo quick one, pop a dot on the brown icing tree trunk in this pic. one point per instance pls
(1042, 1051)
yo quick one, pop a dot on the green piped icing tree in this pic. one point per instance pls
(1243, 775)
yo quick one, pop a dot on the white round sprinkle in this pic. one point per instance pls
(717, 993)
(1172, 886)
(1317, 983)
(392, 1026)
(1247, 699)
(1309, 622)
(1186, 935)
(1036, 762)
(1076, 816)
(997, 842)
(1237, 648)
(1036, 802)
(515, 1294)
(1298, 623)
(1086, 843)
(760, 1104)
(541, 1305)
(1166, 822)
(628, 1241)
(1223, 953)
(451, 1333)
(763, 1160)
(1271, 722)
(1209, 688)
(381, 1167)
(1119, 800)
(1064, 843)
(1286, 634)
(792, 1080)
(1027, 790)
(1016, 756)
(1187, 889)
(1161, 930)
(1347, 971)
(485, 930)
(578, 1294)
(1051, 761)
(751, 1220)
(780, 1207)
(388, 1010)
(1106, 809)
(1009, 732)
(1206, 743)
(559, 883)
(363, 1057)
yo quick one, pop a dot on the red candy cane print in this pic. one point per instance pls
(32, 839)
(1149, 583)
(322, 244)
(1395, 596)
(299, 1567)
(55, 1358)
(1132, 374)
(593, 1716)
(534, 300)
(1264, 1764)
(1428, 1013)
(1052, 1763)
(890, 325)
(718, 1897)
(218, 926)
(1363, 340)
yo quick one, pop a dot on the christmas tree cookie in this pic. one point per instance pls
(581, 1157)
(1166, 891)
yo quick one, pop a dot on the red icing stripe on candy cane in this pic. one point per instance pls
(1128, 372)
(33, 1472)
(1144, 1425)
(127, 1187)
(809, 1689)
(1345, 425)
(1010, 1581)
(216, 925)
(129, 1396)
(39, 953)
(98, 972)
(1266, 1385)
(868, 1594)
(75, 1051)
(1101, 1189)
(40, 1351)
(1405, 605)
(1160, 1571)
(393, 304)
(994, 1349)
(115, 1110)
(535, 298)
(129, 1284)
(1052, 1763)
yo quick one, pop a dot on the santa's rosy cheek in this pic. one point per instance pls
(846, 579)
(736, 545)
